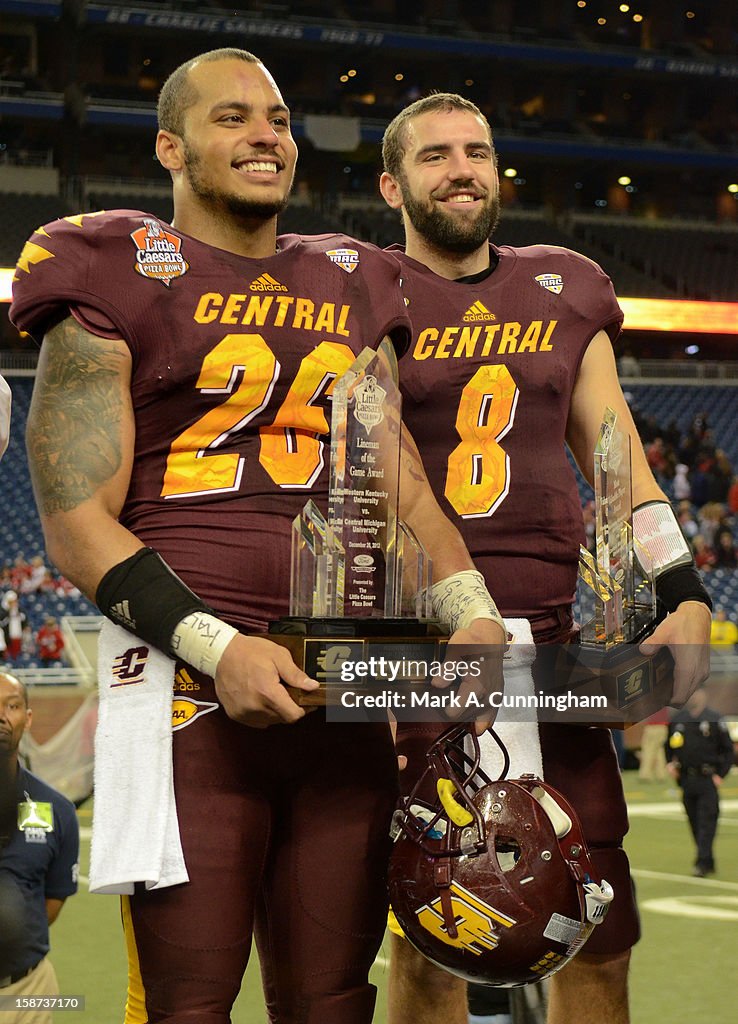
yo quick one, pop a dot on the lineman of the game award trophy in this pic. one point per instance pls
(360, 581)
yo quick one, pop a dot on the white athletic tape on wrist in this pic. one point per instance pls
(460, 599)
(655, 528)
(200, 639)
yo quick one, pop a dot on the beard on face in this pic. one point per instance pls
(447, 231)
(238, 206)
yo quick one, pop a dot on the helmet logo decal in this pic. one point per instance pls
(475, 921)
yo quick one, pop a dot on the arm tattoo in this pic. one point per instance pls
(74, 437)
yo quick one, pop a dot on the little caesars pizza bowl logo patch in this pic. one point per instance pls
(157, 253)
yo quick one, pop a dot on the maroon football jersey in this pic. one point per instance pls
(234, 361)
(487, 386)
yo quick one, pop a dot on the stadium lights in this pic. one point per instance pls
(684, 315)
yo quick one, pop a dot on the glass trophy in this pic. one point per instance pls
(616, 597)
(360, 580)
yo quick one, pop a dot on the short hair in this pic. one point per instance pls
(178, 94)
(19, 684)
(393, 144)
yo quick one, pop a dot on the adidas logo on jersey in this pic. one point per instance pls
(267, 283)
(477, 312)
(121, 614)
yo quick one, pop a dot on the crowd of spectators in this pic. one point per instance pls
(22, 582)
(702, 484)
(701, 481)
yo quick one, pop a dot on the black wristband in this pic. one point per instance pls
(682, 583)
(143, 595)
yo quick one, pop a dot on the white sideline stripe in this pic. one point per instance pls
(663, 876)
(666, 807)
(707, 908)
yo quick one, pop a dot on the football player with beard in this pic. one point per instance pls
(178, 425)
(512, 360)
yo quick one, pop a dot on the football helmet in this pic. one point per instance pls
(491, 880)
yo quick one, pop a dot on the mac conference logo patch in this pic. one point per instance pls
(551, 282)
(346, 259)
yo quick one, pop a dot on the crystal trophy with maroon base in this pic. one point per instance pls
(360, 580)
(617, 599)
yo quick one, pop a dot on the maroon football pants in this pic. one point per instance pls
(285, 833)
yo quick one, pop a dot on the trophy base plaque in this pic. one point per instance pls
(320, 646)
(634, 686)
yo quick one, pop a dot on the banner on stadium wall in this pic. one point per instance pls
(350, 35)
(243, 25)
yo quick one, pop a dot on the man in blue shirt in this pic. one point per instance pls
(39, 851)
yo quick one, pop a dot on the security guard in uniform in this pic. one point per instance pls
(700, 755)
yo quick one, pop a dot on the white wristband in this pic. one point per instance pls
(656, 529)
(200, 639)
(461, 598)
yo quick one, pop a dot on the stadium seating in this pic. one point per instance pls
(691, 260)
(20, 528)
(682, 402)
(21, 215)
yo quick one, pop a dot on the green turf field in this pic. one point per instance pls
(683, 968)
